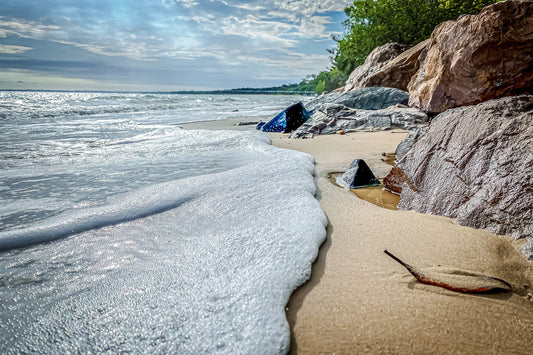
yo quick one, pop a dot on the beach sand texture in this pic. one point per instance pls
(359, 300)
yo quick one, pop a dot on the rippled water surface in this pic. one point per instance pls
(122, 232)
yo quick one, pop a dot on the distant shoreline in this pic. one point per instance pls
(265, 91)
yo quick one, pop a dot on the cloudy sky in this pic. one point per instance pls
(164, 44)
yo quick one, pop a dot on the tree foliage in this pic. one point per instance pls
(372, 23)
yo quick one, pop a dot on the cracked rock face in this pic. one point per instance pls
(475, 164)
(477, 58)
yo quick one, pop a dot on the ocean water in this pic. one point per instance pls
(122, 232)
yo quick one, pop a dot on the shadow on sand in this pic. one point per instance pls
(297, 298)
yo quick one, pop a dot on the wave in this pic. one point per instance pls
(206, 263)
(142, 203)
(52, 105)
(245, 147)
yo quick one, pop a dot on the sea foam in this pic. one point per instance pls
(203, 264)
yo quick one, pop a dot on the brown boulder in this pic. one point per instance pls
(397, 72)
(380, 56)
(477, 58)
(475, 164)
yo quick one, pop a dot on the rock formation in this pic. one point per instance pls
(395, 72)
(380, 56)
(477, 58)
(474, 163)
(333, 118)
(365, 98)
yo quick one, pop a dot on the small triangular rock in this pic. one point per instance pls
(358, 176)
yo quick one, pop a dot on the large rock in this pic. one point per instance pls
(364, 98)
(380, 56)
(477, 58)
(332, 118)
(395, 72)
(475, 164)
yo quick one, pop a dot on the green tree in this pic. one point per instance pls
(372, 23)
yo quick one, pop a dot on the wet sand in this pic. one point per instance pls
(359, 300)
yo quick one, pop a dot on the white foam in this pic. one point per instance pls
(206, 263)
(149, 200)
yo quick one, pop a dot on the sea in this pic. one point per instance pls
(121, 231)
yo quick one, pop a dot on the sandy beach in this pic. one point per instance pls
(359, 300)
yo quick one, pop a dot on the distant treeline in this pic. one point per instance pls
(291, 89)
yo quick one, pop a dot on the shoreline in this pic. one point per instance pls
(359, 300)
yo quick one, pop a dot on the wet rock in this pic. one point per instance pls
(378, 58)
(477, 58)
(475, 164)
(365, 98)
(394, 180)
(247, 123)
(287, 120)
(332, 118)
(358, 176)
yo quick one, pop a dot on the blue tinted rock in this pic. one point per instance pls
(287, 120)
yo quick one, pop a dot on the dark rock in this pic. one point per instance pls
(287, 120)
(365, 98)
(332, 118)
(247, 123)
(477, 58)
(358, 176)
(475, 164)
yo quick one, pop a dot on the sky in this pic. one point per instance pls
(163, 45)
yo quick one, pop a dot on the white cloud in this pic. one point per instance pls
(314, 27)
(185, 3)
(11, 49)
(310, 7)
(24, 28)
(256, 28)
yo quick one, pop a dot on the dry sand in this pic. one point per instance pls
(359, 300)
